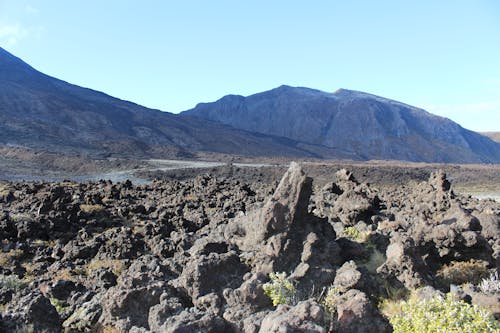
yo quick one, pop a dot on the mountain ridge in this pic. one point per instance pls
(370, 126)
(43, 112)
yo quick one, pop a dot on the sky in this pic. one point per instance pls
(443, 56)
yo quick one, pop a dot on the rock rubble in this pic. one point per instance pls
(194, 255)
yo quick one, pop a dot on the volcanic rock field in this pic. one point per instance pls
(201, 254)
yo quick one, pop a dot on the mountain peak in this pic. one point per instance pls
(353, 123)
(7, 58)
(42, 112)
(288, 91)
(14, 69)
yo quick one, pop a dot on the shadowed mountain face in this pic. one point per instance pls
(368, 126)
(42, 112)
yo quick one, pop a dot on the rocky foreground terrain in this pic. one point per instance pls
(197, 255)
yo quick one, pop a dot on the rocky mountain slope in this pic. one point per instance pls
(41, 112)
(357, 123)
(198, 255)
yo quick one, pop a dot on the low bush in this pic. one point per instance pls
(442, 315)
(355, 235)
(280, 289)
(490, 285)
(59, 305)
(330, 301)
(12, 282)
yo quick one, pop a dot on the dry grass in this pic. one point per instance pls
(68, 274)
(375, 260)
(108, 329)
(4, 192)
(6, 258)
(460, 272)
(91, 209)
(44, 243)
(392, 306)
(20, 217)
(116, 266)
(29, 267)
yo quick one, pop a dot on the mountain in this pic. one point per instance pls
(364, 125)
(42, 112)
(495, 136)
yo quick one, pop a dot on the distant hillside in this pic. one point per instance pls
(367, 126)
(44, 113)
(41, 112)
(495, 136)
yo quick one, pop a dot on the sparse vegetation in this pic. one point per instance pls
(116, 266)
(280, 289)
(59, 305)
(330, 299)
(460, 272)
(6, 258)
(441, 315)
(26, 329)
(391, 305)
(374, 261)
(108, 329)
(354, 234)
(44, 243)
(67, 274)
(491, 284)
(29, 267)
(4, 192)
(91, 209)
(16, 217)
(12, 282)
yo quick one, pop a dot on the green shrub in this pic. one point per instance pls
(442, 315)
(356, 235)
(351, 232)
(280, 289)
(330, 301)
(59, 305)
(12, 282)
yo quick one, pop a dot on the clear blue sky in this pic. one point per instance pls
(443, 55)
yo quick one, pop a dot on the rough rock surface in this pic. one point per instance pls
(306, 316)
(194, 255)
